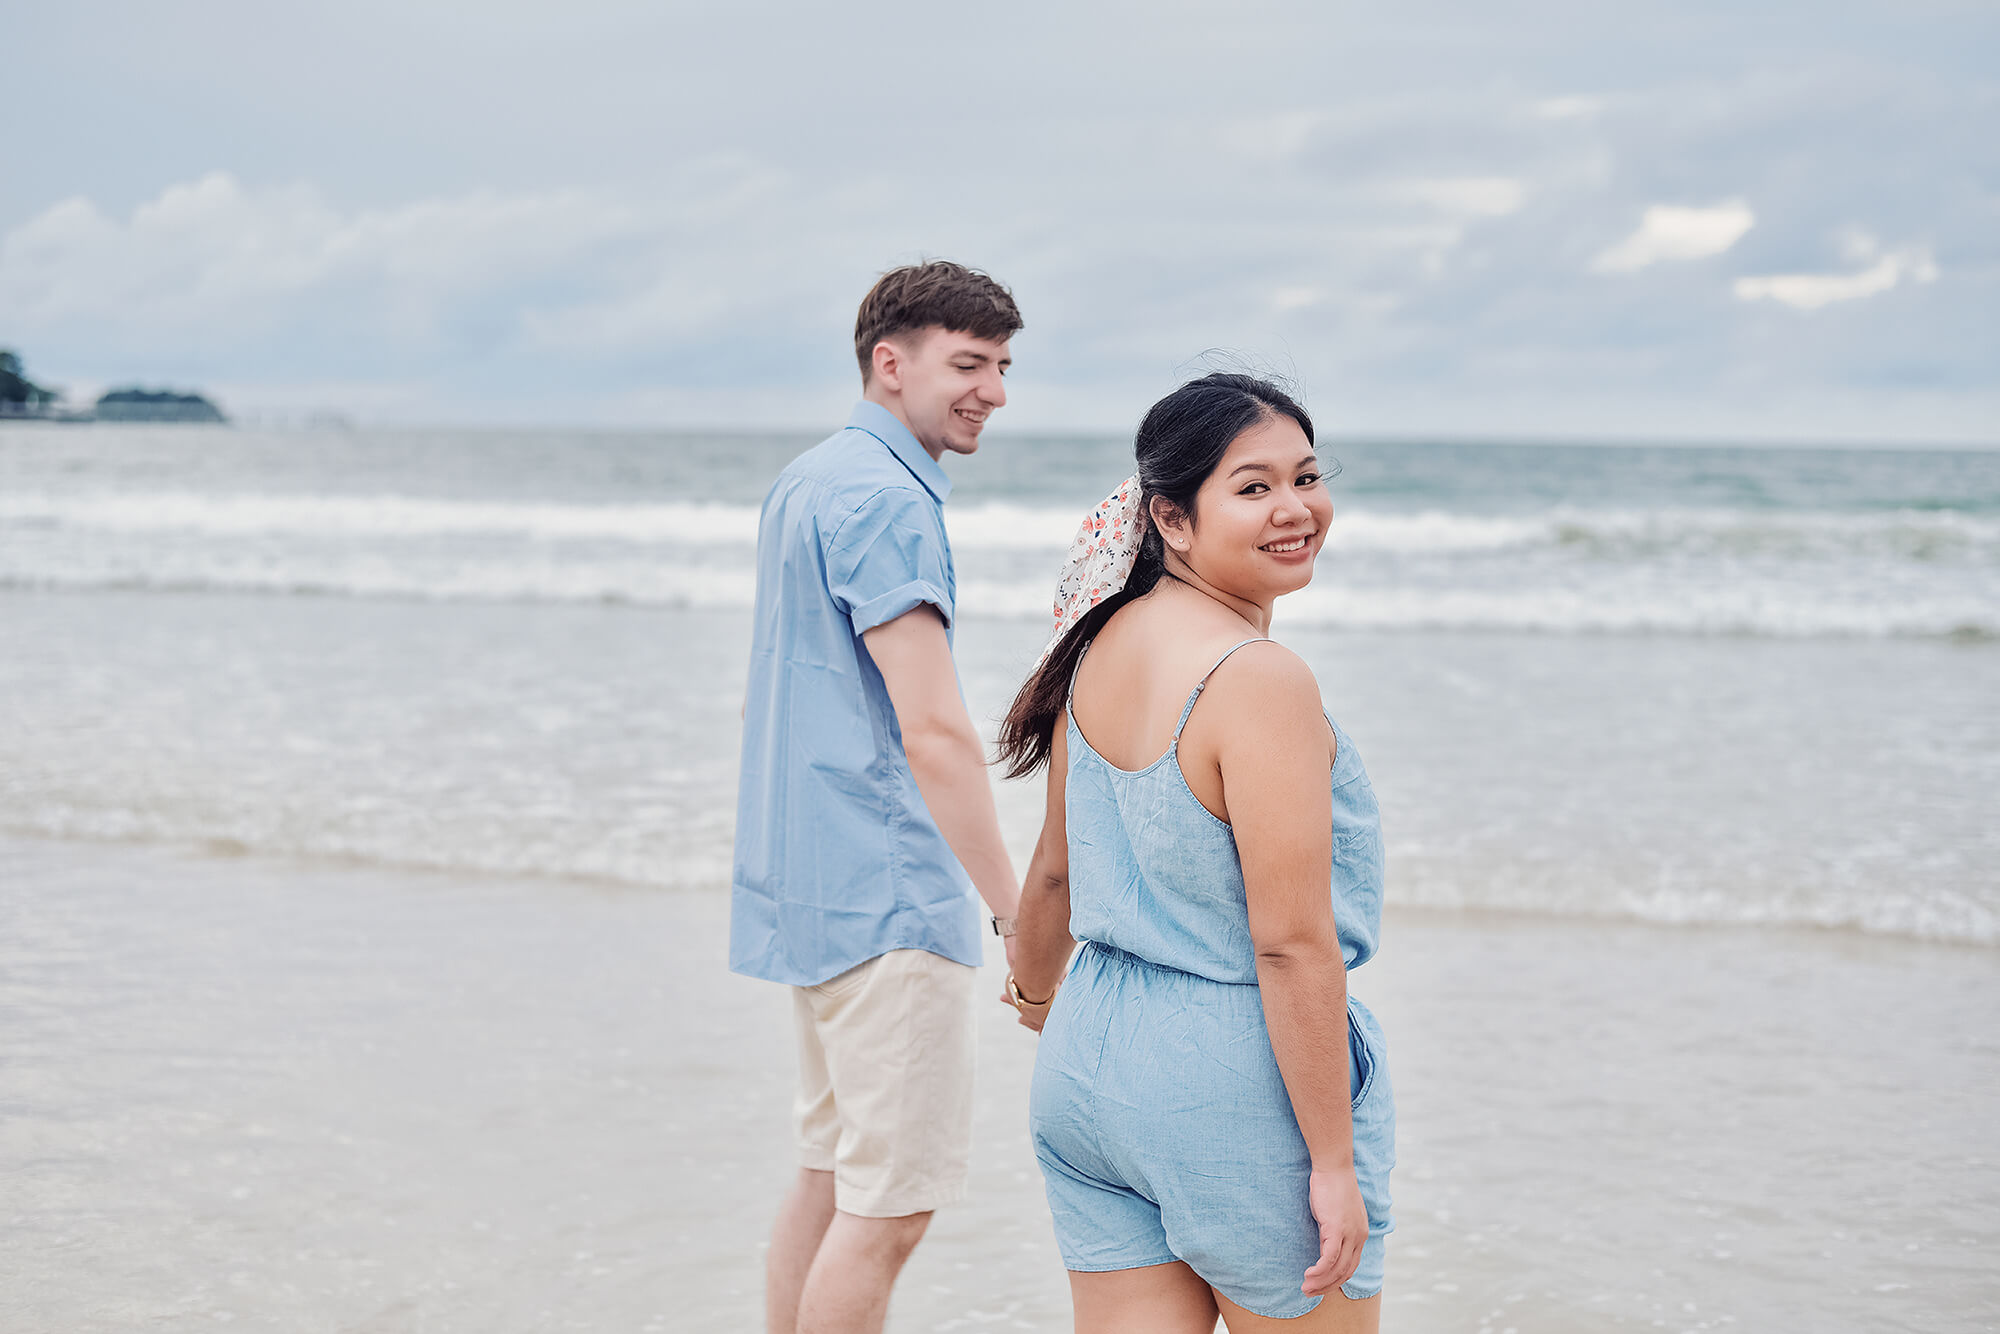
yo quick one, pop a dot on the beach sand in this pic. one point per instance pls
(301, 1098)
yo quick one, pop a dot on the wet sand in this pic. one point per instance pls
(335, 1098)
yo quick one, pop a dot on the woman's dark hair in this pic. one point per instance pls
(1182, 439)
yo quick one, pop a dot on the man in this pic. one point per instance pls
(864, 807)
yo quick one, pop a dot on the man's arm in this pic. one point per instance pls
(946, 756)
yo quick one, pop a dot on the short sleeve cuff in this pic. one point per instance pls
(904, 597)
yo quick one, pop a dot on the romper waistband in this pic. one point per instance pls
(1113, 954)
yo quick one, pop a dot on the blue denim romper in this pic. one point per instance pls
(1158, 1113)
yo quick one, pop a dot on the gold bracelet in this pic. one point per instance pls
(1014, 994)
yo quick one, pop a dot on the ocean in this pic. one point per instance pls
(1674, 683)
(365, 814)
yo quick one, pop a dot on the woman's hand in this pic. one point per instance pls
(1031, 1015)
(1335, 1200)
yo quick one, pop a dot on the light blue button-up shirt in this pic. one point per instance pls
(837, 858)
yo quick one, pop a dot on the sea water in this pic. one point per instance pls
(1722, 685)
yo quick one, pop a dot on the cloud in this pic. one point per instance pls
(1810, 291)
(1480, 196)
(1568, 108)
(659, 232)
(1296, 298)
(212, 250)
(1670, 232)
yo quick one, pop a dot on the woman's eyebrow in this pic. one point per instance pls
(1265, 467)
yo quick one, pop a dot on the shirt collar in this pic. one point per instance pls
(884, 425)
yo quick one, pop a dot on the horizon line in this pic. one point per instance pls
(301, 424)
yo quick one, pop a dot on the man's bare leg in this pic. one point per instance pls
(795, 1239)
(847, 1291)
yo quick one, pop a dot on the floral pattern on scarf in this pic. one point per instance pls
(1100, 558)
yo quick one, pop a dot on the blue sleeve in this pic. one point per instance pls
(888, 557)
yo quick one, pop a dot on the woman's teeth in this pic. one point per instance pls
(1292, 545)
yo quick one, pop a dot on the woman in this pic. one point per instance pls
(1211, 1112)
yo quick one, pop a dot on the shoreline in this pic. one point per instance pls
(341, 1098)
(227, 852)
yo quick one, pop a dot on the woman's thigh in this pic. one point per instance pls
(1334, 1315)
(1158, 1299)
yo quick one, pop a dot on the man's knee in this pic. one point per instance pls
(887, 1239)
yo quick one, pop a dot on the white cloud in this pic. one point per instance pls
(1810, 291)
(1568, 108)
(213, 250)
(1296, 298)
(1480, 196)
(1273, 138)
(1671, 231)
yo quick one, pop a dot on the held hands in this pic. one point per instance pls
(1335, 1200)
(1032, 1014)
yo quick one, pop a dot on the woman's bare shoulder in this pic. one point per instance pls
(1266, 678)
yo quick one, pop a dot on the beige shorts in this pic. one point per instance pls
(885, 1082)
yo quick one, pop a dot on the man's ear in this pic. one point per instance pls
(887, 361)
(1171, 522)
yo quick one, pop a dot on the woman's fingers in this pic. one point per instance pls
(1030, 1017)
(1350, 1259)
(1335, 1201)
(1339, 1257)
(1318, 1279)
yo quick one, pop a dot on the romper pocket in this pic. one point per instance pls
(1360, 1063)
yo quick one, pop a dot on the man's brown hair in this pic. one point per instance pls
(936, 293)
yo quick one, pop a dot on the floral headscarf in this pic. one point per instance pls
(1100, 558)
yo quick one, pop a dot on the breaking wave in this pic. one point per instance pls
(1678, 571)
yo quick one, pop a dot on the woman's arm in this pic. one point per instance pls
(1274, 753)
(1042, 942)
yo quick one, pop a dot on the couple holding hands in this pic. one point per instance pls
(1210, 1109)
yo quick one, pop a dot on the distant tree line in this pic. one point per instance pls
(155, 405)
(17, 391)
(22, 397)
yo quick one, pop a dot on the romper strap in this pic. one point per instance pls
(1081, 653)
(1202, 684)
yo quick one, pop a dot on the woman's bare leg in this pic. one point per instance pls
(1334, 1315)
(1159, 1299)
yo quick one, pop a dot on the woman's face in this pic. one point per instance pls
(1261, 516)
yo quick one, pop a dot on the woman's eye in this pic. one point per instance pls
(1310, 479)
(1252, 489)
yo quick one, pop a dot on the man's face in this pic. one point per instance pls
(950, 384)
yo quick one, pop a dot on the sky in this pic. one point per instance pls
(1639, 220)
